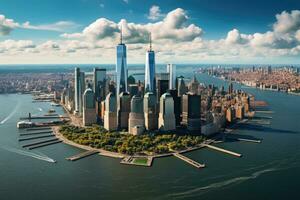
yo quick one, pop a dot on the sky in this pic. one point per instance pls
(183, 31)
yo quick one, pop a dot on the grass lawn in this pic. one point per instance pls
(140, 161)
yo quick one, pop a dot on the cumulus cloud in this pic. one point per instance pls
(155, 13)
(6, 25)
(234, 37)
(173, 27)
(287, 22)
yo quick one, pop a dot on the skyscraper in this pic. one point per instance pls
(194, 85)
(124, 110)
(191, 112)
(171, 69)
(110, 113)
(181, 86)
(89, 112)
(121, 67)
(162, 83)
(136, 122)
(79, 89)
(100, 89)
(150, 111)
(150, 69)
(166, 119)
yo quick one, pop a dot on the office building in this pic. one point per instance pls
(110, 113)
(162, 84)
(171, 69)
(191, 112)
(121, 67)
(177, 105)
(150, 111)
(79, 89)
(136, 123)
(150, 69)
(166, 118)
(89, 112)
(99, 87)
(194, 85)
(124, 110)
(182, 89)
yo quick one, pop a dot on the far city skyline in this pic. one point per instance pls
(87, 31)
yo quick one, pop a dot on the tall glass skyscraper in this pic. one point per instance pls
(150, 69)
(171, 69)
(121, 67)
(79, 89)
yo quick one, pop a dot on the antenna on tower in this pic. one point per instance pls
(150, 42)
(121, 36)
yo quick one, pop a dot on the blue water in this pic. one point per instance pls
(270, 170)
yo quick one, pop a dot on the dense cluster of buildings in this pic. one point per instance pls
(164, 101)
(286, 79)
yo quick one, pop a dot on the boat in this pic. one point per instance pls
(25, 124)
(54, 104)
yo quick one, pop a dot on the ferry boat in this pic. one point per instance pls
(24, 124)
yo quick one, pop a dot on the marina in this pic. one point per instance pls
(44, 144)
(38, 129)
(41, 142)
(36, 133)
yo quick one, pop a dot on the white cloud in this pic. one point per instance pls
(173, 27)
(6, 25)
(60, 26)
(155, 13)
(287, 22)
(126, 1)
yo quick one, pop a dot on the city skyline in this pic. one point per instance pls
(188, 32)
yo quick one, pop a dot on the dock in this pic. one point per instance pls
(145, 161)
(38, 129)
(44, 144)
(223, 150)
(43, 117)
(41, 142)
(35, 133)
(82, 155)
(188, 160)
(33, 138)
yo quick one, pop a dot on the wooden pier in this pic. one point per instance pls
(36, 133)
(44, 144)
(38, 129)
(38, 137)
(188, 160)
(41, 142)
(223, 150)
(82, 155)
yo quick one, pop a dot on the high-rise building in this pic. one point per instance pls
(110, 113)
(150, 69)
(162, 83)
(166, 119)
(230, 88)
(89, 112)
(171, 69)
(191, 112)
(79, 89)
(194, 85)
(181, 86)
(99, 87)
(177, 106)
(136, 123)
(230, 114)
(124, 110)
(121, 67)
(150, 111)
(99, 82)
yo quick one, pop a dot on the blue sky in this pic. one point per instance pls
(213, 19)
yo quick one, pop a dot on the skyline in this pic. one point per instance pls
(185, 32)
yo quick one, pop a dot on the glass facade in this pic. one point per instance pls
(150, 71)
(121, 69)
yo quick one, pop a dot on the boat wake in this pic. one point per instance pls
(30, 154)
(11, 114)
(40, 109)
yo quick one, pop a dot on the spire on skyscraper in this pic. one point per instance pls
(150, 42)
(121, 36)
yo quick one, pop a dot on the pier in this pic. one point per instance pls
(223, 150)
(82, 155)
(42, 117)
(38, 137)
(188, 160)
(41, 142)
(38, 129)
(35, 133)
(45, 144)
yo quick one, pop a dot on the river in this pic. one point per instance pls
(270, 170)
